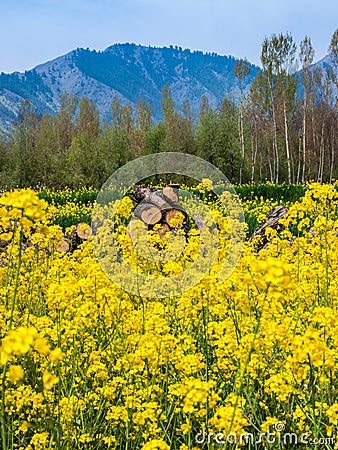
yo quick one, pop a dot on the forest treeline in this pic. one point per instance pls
(283, 130)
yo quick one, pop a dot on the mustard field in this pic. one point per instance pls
(246, 362)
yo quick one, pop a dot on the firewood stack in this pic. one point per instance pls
(159, 206)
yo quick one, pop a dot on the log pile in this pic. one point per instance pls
(159, 207)
(152, 207)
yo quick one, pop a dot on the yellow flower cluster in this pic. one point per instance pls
(70, 211)
(85, 364)
(20, 210)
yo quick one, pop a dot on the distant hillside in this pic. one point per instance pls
(326, 66)
(128, 71)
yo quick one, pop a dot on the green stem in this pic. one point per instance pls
(3, 418)
(16, 282)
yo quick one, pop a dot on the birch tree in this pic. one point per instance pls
(306, 56)
(241, 71)
(278, 59)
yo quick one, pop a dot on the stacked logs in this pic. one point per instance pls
(152, 207)
(68, 242)
(159, 207)
(72, 240)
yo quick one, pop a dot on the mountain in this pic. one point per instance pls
(325, 63)
(128, 71)
(327, 68)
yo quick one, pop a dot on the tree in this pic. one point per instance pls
(47, 157)
(5, 169)
(241, 71)
(143, 125)
(88, 119)
(116, 108)
(264, 132)
(178, 130)
(265, 83)
(306, 56)
(25, 140)
(204, 106)
(154, 139)
(333, 52)
(228, 144)
(278, 58)
(259, 134)
(217, 138)
(64, 127)
(167, 102)
(206, 135)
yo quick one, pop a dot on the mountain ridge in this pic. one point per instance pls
(128, 71)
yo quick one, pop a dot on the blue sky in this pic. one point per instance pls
(35, 31)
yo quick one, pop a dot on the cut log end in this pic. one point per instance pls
(63, 246)
(150, 214)
(159, 206)
(174, 218)
(83, 230)
(170, 193)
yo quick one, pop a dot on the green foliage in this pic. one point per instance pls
(217, 139)
(83, 196)
(282, 192)
(270, 135)
(154, 138)
(82, 200)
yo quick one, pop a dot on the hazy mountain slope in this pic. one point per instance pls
(128, 71)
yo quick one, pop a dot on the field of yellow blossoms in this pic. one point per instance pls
(247, 363)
